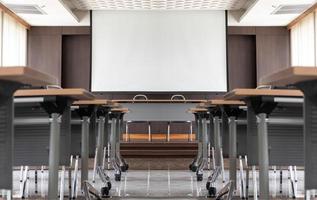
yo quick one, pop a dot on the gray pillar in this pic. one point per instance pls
(199, 139)
(204, 139)
(217, 139)
(106, 135)
(84, 149)
(113, 139)
(65, 137)
(263, 156)
(211, 131)
(6, 132)
(54, 157)
(233, 150)
(6, 143)
(100, 139)
(118, 136)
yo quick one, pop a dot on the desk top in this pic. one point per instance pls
(241, 94)
(74, 93)
(100, 102)
(220, 102)
(157, 101)
(26, 75)
(122, 110)
(196, 110)
(290, 76)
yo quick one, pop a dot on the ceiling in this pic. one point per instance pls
(54, 13)
(241, 12)
(261, 13)
(158, 4)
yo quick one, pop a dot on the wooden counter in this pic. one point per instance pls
(290, 76)
(241, 94)
(26, 75)
(76, 93)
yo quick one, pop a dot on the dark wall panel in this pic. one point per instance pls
(241, 61)
(273, 50)
(45, 49)
(76, 61)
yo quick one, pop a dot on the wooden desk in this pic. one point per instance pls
(93, 102)
(290, 76)
(120, 110)
(73, 93)
(57, 103)
(261, 103)
(242, 94)
(99, 108)
(199, 163)
(228, 111)
(305, 79)
(26, 76)
(11, 79)
(197, 110)
(96, 108)
(223, 102)
(158, 101)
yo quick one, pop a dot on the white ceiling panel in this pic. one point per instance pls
(53, 13)
(158, 4)
(267, 13)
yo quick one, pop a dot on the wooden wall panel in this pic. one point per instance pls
(241, 30)
(273, 50)
(241, 61)
(44, 53)
(45, 48)
(76, 61)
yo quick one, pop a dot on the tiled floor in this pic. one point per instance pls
(157, 184)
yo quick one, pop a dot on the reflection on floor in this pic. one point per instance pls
(158, 184)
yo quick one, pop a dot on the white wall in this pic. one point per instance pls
(159, 51)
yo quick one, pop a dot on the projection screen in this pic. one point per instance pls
(159, 51)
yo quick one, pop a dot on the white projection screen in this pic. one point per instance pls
(159, 51)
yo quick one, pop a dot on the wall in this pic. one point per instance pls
(241, 61)
(253, 52)
(45, 49)
(272, 50)
(76, 61)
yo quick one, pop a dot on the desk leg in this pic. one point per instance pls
(310, 144)
(200, 142)
(6, 144)
(117, 145)
(217, 140)
(84, 149)
(54, 156)
(204, 142)
(100, 144)
(263, 157)
(233, 150)
(65, 146)
(211, 131)
(6, 133)
(106, 129)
